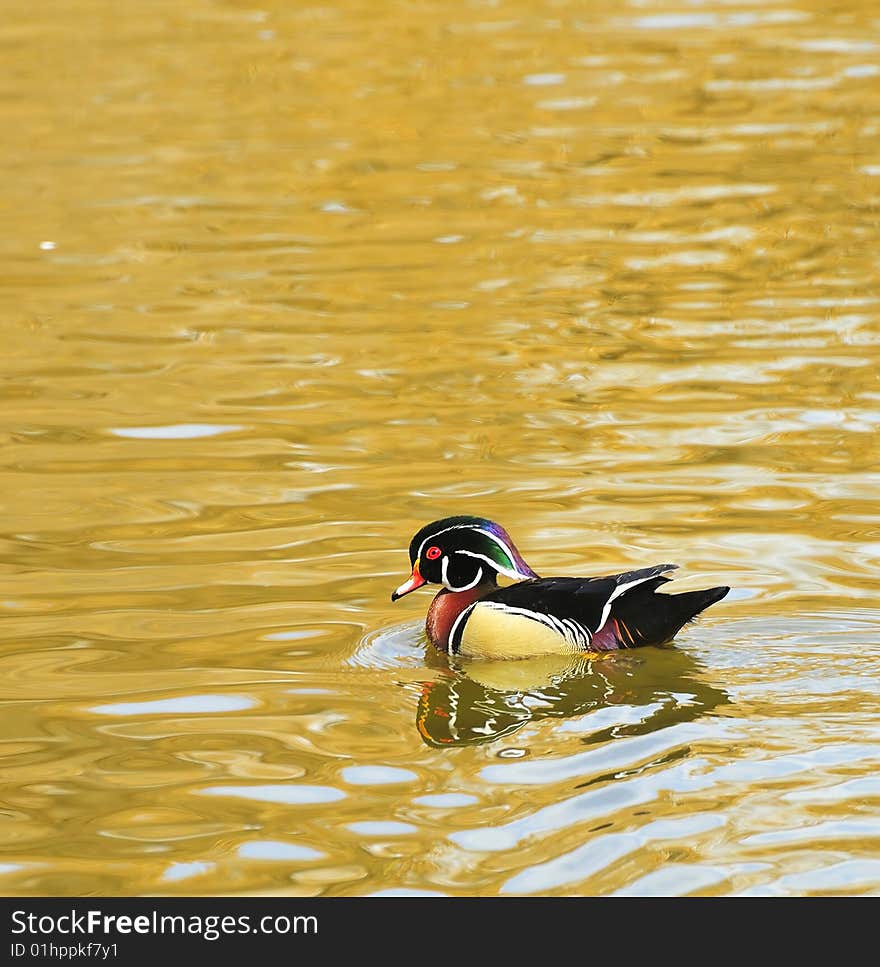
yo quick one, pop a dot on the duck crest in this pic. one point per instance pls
(445, 609)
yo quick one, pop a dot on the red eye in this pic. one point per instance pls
(433, 553)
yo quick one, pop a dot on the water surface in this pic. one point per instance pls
(285, 282)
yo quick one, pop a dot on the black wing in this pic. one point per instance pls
(582, 601)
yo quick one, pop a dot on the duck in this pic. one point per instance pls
(474, 617)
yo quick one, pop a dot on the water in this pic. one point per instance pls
(283, 284)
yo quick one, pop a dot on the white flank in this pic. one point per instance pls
(495, 630)
(573, 632)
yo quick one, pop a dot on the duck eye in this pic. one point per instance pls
(433, 553)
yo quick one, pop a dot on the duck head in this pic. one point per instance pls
(462, 553)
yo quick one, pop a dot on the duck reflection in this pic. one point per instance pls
(473, 702)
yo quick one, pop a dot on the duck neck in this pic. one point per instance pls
(446, 608)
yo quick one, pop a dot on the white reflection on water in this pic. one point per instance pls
(831, 830)
(177, 431)
(865, 787)
(183, 705)
(382, 828)
(270, 849)
(376, 775)
(599, 853)
(847, 876)
(183, 871)
(290, 793)
(679, 879)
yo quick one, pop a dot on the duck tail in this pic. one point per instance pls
(656, 618)
(691, 603)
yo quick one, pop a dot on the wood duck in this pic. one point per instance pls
(472, 616)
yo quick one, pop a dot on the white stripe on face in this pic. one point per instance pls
(506, 571)
(504, 547)
(444, 570)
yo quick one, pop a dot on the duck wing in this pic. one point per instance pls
(566, 613)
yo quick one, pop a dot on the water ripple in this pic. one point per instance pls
(619, 294)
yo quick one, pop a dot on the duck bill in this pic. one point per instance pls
(415, 581)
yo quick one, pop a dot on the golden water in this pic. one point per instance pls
(285, 281)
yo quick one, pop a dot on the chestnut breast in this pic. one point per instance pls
(445, 608)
